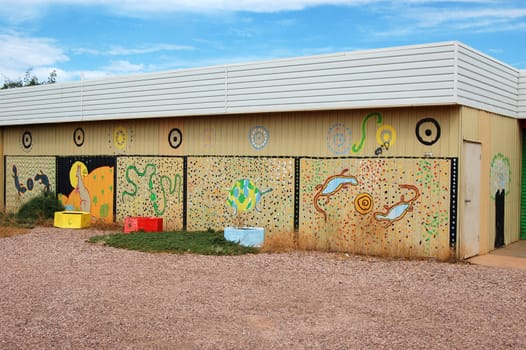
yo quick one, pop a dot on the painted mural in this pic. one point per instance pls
(27, 177)
(380, 206)
(241, 191)
(500, 177)
(120, 138)
(151, 186)
(245, 196)
(87, 184)
(258, 137)
(340, 137)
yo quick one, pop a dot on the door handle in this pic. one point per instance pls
(467, 201)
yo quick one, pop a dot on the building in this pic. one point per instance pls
(405, 151)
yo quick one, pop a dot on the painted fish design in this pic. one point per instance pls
(245, 196)
(398, 210)
(331, 186)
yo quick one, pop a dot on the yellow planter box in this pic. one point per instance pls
(72, 219)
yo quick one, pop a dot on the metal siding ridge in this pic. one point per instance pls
(319, 82)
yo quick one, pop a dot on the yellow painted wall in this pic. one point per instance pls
(255, 154)
(324, 133)
(501, 143)
(70, 139)
(327, 133)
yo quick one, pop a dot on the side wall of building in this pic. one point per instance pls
(368, 181)
(500, 185)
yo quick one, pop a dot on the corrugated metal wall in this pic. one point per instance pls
(104, 138)
(332, 133)
(522, 94)
(485, 83)
(432, 74)
(501, 163)
(414, 146)
(403, 76)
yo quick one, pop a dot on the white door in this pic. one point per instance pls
(469, 236)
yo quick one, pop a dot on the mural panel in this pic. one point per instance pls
(151, 186)
(86, 184)
(241, 191)
(380, 206)
(27, 177)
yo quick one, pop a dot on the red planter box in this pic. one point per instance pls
(146, 224)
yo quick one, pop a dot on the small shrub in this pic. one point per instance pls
(39, 209)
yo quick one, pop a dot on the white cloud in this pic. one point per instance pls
(123, 67)
(450, 15)
(19, 54)
(121, 51)
(21, 10)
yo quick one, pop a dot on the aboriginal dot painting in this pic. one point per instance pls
(240, 191)
(27, 177)
(151, 186)
(380, 206)
(120, 138)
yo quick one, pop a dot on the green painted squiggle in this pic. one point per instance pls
(172, 186)
(357, 147)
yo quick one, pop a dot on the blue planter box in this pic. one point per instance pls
(246, 236)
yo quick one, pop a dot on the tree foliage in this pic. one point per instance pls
(29, 80)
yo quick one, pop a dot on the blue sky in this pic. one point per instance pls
(93, 39)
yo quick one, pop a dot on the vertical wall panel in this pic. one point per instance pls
(26, 178)
(505, 176)
(241, 191)
(87, 184)
(379, 206)
(151, 186)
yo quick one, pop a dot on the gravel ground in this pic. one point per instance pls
(59, 292)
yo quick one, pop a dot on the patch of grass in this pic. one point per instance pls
(205, 243)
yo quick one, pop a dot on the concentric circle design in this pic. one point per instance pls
(363, 203)
(120, 137)
(78, 137)
(386, 135)
(339, 139)
(258, 137)
(428, 131)
(175, 138)
(27, 140)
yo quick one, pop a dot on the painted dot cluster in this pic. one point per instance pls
(207, 200)
(382, 214)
